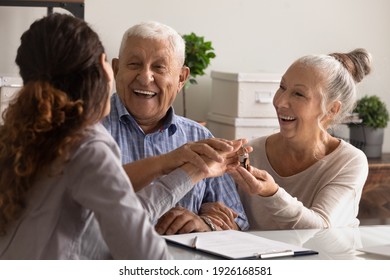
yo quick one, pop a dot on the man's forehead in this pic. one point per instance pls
(156, 45)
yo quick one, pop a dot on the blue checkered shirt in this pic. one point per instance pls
(176, 131)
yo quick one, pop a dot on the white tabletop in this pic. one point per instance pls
(332, 244)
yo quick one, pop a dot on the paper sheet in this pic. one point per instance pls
(234, 244)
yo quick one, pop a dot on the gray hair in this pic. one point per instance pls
(341, 72)
(157, 31)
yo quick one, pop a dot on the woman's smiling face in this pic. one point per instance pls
(298, 102)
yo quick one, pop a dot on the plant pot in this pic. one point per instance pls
(368, 139)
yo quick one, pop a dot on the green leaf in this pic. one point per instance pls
(372, 111)
(198, 54)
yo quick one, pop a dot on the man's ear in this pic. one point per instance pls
(184, 75)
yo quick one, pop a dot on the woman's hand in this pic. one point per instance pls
(254, 181)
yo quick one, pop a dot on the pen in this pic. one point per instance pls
(194, 242)
(275, 254)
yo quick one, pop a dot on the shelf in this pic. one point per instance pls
(76, 7)
(375, 201)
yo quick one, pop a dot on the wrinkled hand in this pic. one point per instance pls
(254, 181)
(179, 220)
(196, 152)
(219, 213)
(230, 160)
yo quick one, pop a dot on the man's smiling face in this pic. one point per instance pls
(148, 77)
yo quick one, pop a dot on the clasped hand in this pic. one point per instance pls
(179, 220)
(211, 157)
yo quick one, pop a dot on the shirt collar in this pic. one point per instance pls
(122, 111)
(170, 122)
(124, 115)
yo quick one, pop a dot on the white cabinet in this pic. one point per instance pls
(236, 128)
(241, 104)
(244, 95)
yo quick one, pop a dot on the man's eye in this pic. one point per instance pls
(133, 64)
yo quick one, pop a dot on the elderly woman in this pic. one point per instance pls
(303, 177)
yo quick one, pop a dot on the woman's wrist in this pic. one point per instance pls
(193, 172)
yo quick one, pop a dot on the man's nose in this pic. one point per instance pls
(145, 76)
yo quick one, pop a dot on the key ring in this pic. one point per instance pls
(243, 157)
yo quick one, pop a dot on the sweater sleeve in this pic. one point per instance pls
(163, 194)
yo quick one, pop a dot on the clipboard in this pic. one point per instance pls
(233, 244)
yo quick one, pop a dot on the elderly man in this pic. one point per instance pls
(149, 73)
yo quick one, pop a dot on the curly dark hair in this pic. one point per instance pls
(65, 90)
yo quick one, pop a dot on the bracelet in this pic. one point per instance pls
(208, 222)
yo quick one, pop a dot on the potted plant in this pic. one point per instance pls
(198, 55)
(368, 135)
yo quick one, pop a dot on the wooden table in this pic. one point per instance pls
(375, 202)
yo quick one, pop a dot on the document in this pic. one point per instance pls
(233, 244)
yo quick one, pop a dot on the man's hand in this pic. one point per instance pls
(220, 214)
(212, 149)
(215, 168)
(179, 220)
(198, 157)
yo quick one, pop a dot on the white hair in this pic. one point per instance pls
(341, 72)
(157, 31)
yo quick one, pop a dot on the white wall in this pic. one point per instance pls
(248, 35)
